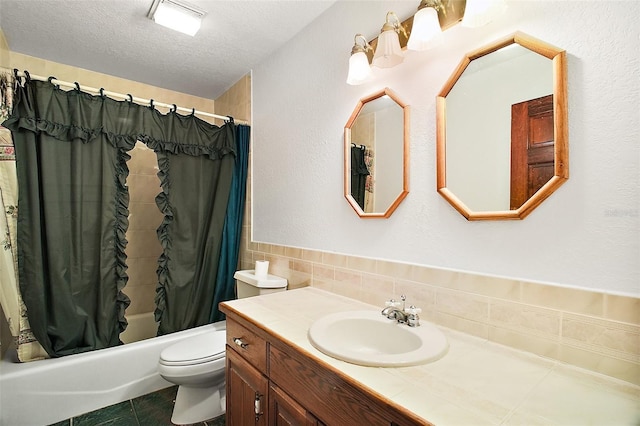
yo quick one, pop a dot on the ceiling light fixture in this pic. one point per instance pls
(177, 15)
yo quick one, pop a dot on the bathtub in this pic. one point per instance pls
(51, 390)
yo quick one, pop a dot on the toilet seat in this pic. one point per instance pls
(199, 349)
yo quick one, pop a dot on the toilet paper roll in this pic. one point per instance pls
(262, 268)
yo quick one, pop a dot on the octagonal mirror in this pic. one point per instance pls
(502, 143)
(376, 155)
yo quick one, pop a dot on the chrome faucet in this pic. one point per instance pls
(395, 310)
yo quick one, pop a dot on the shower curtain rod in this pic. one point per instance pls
(141, 101)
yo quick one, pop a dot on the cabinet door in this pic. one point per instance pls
(246, 393)
(285, 411)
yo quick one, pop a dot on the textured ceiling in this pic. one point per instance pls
(115, 37)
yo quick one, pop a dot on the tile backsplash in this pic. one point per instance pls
(592, 330)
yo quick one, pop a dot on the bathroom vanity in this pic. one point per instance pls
(275, 376)
(270, 381)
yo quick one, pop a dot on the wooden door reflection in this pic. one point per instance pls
(532, 148)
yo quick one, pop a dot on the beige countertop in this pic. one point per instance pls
(476, 383)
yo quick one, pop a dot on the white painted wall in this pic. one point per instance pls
(586, 235)
(388, 158)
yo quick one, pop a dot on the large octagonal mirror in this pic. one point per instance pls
(502, 143)
(376, 155)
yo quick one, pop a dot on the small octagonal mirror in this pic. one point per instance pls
(376, 155)
(502, 143)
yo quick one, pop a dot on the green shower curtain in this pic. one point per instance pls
(225, 283)
(191, 236)
(71, 151)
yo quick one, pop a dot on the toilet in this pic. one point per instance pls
(197, 364)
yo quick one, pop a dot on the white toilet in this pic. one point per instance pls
(197, 364)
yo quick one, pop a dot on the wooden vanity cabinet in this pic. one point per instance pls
(270, 382)
(248, 389)
(284, 410)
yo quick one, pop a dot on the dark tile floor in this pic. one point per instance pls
(153, 409)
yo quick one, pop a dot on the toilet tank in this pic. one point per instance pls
(248, 284)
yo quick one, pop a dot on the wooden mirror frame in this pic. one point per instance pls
(405, 162)
(560, 128)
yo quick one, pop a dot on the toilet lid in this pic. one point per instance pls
(195, 350)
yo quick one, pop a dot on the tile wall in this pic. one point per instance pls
(144, 247)
(592, 330)
(236, 101)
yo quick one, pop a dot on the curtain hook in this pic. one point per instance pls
(102, 92)
(230, 119)
(17, 79)
(151, 103)
(50, 80)
(175, 108)
(16, 75)
(193, 111)
(26, 73)
(77, 85)
(130, 97)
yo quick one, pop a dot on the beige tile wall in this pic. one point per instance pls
(236, 101)
(144, 247)
(592, 330)
(4, 51)
(86, 78)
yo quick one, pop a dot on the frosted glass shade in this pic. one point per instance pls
(388, 53)
(426, 32)
(359, 69)
(177, 18)
(480, 12)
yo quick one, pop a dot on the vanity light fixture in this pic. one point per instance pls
(177, 15)
(420, 32)
(426, 32)
(359, 68)
(389, 52)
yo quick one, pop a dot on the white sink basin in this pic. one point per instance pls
(368, 338)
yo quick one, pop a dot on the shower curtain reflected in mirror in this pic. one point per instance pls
(359, 173)
(71, 150)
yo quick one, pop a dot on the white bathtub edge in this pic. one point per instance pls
(48, 391)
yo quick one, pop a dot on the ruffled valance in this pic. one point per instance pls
(40, 106)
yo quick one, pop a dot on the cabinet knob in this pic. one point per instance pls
(238, 341)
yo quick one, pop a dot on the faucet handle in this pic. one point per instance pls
(392, 303)
(413, 320)
(412, 310)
